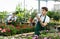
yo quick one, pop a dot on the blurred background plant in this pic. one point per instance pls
(3, 16)
(54, 15)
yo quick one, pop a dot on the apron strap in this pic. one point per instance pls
(44, 19)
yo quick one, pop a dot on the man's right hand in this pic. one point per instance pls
(38, 18)
(9, 21)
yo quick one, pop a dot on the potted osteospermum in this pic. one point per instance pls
(3, 30)
(0, 29)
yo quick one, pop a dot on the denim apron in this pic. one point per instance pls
(11, 22)
(38, 27)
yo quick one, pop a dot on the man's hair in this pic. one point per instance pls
(45, 8)
(14, 13)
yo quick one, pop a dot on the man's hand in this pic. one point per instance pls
(14, 21)
(43, 24)
(38, 18)
(9, 21)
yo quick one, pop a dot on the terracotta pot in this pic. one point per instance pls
(17, 27)
(24, 26)
(30, 19)
(3, 24)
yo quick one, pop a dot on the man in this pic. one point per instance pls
(42, 20)
(12, 19)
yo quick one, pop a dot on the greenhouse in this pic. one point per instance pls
(29, 19)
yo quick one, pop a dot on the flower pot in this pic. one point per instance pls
(24, 26)
(30, 19)
(18, 27)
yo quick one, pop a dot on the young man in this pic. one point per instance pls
(42, 20)
(12, 19)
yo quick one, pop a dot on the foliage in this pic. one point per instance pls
(50, 37)
(23, 14)
(8, 30)
(50, 14)
(54, 15)
(33, 14)
(29, 37)
(3, 14)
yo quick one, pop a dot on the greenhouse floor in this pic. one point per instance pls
(19, 36)
(25, 36)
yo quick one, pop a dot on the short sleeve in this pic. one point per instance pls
(47, 20)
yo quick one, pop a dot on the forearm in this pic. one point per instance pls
(33, 21)
(9, 21)
(43, 24)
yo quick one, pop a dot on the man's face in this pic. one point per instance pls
(44, 11)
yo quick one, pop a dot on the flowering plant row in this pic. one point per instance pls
(7, 30)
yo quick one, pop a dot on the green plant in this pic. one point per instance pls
(29, 37)
(13, 31)
(33, 14)
(50, 14)
(26, 30)
(8, 30)
(44, 32)
(3, 14)
(54, 15)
